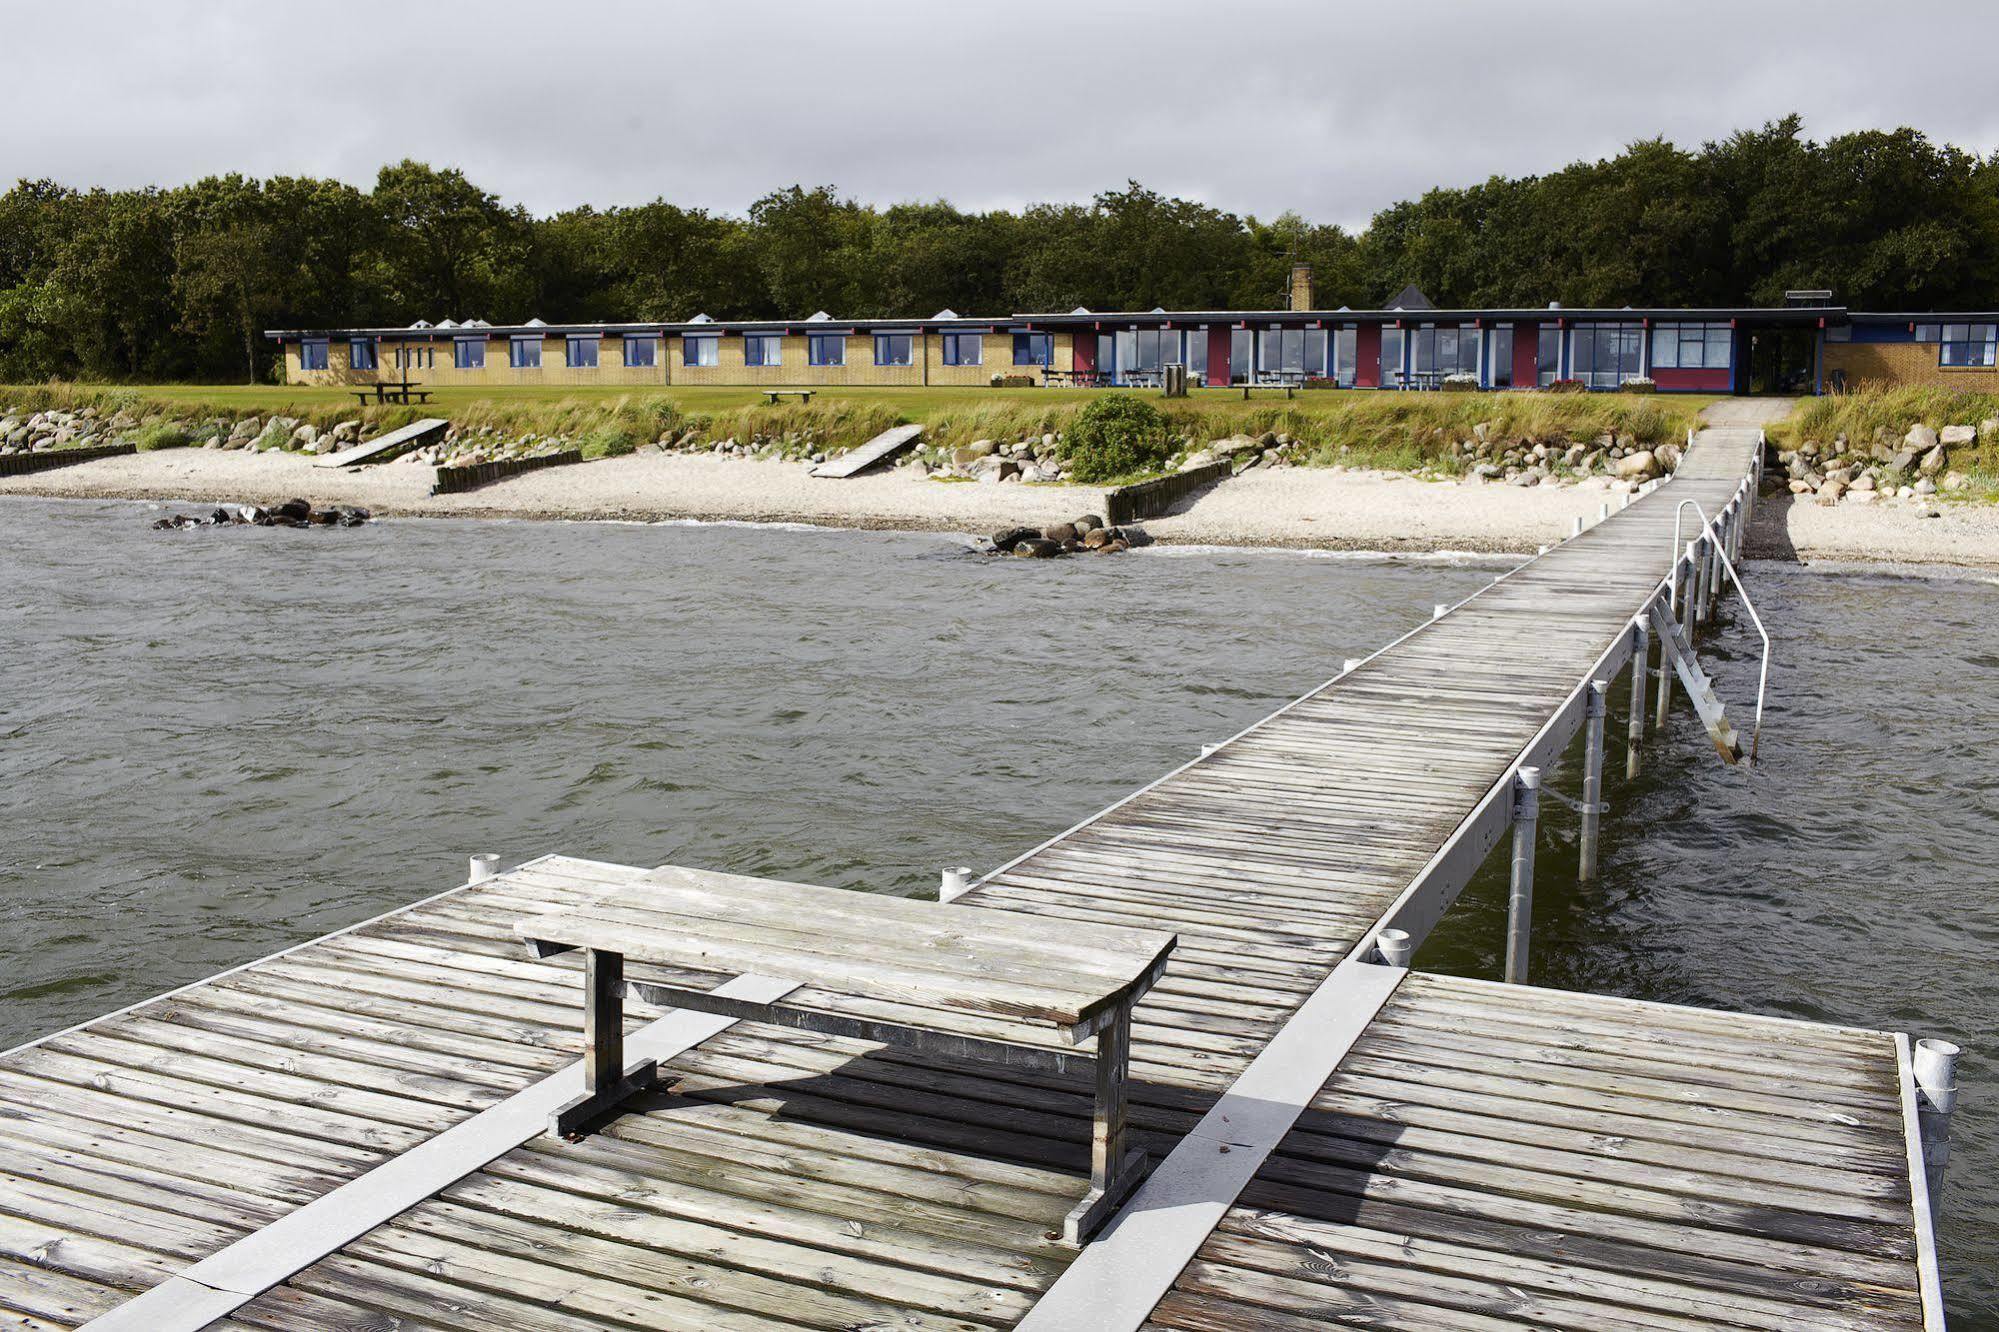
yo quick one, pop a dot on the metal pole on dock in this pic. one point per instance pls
(1599, 705)
(1394, 947)
(1936, 1086)
(1689, 585)
(483, 866)
(1520, 900)
(957, 881)
(1697, 586)
(1664, 707)
(1641, 662)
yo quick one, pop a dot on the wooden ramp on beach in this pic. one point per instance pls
(349, 1133)
(384, 447)
(879, 449)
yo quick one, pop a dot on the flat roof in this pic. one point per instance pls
(1101, 319)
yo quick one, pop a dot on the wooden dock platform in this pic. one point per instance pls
(1342, 1141)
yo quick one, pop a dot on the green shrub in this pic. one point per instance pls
(161, 435)
(612, 440)
(1117, 436)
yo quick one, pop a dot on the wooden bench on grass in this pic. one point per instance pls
(803, 395)
(932, 961)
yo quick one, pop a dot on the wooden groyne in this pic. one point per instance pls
(1148, 499)
(340, 1135)
(23, 464)
(453, 480)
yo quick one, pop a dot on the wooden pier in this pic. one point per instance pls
(348, 1134)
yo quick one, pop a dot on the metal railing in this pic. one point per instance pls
(1712, 536)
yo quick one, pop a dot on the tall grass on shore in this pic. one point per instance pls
(1864, 414)
(1402, 431)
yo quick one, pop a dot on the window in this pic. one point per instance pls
(1143, 351)
(1603, 356)
(312, 354)
(705, 350)
(1691, 346)
(641, 350)
(826, 348)
(963, 349)
(1929, 332)
(762, 349)
(416, 358)
(895, 349)
(1346, 356)
(582, 351)
(1969, 344)
(468, 353)
(524, 353)
(1444, 351)
(361, 353)
(1548, 356)
(1034, 349)
(1391, 358)
(1242, 344)
(1499, 360)
(1197, 353)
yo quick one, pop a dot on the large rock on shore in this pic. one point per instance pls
(1639, 466)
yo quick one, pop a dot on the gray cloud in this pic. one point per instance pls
(1332, 110)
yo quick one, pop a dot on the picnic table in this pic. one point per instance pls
(949, 979)
(392, 391)
(772, 395)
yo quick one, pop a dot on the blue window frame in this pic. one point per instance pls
(763, 349)
(468, 353)
(581, 352)
(701, 350)
(361, 354)
(524, 353)
(895, 349)
(1034, 349)
(963, 349)
(826, 348)
(1968, 344)
(416, 358)
(312, 354)
(1692, 346)
(641, 350)
(1603, 356)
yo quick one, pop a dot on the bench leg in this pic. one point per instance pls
(606, 1081)
(1115, 1170)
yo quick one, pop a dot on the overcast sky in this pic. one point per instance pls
(1330, 109)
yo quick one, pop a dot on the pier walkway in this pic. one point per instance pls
(1339, 1140)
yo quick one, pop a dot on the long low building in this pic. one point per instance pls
(1808, 345)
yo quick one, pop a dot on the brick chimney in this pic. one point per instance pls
(1301, 287)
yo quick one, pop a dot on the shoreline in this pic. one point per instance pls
(1289, 508)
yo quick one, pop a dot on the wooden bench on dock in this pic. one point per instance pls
(933, 961)
(772, 395)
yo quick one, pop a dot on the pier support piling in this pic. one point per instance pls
(957, 881)
(1634, 732)
(483, 866)
(1520, 899)
(1936, 1087)
(1599, 706)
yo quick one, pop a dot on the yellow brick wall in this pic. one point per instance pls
(1894, 364)
(860, 369)
(794, 354)
(442, 371)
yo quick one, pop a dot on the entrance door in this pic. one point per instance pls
(1782, 361)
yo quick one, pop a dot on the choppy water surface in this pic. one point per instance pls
(215, 744)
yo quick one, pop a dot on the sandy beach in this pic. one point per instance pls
(1301, 507)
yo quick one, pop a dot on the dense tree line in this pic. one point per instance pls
(178, 283)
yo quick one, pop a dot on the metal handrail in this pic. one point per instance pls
(1721, 552)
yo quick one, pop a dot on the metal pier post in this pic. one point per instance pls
(1641, 662)
(1599, 705)
(1520, 901)
(1696, 597)
(1935, 1069)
